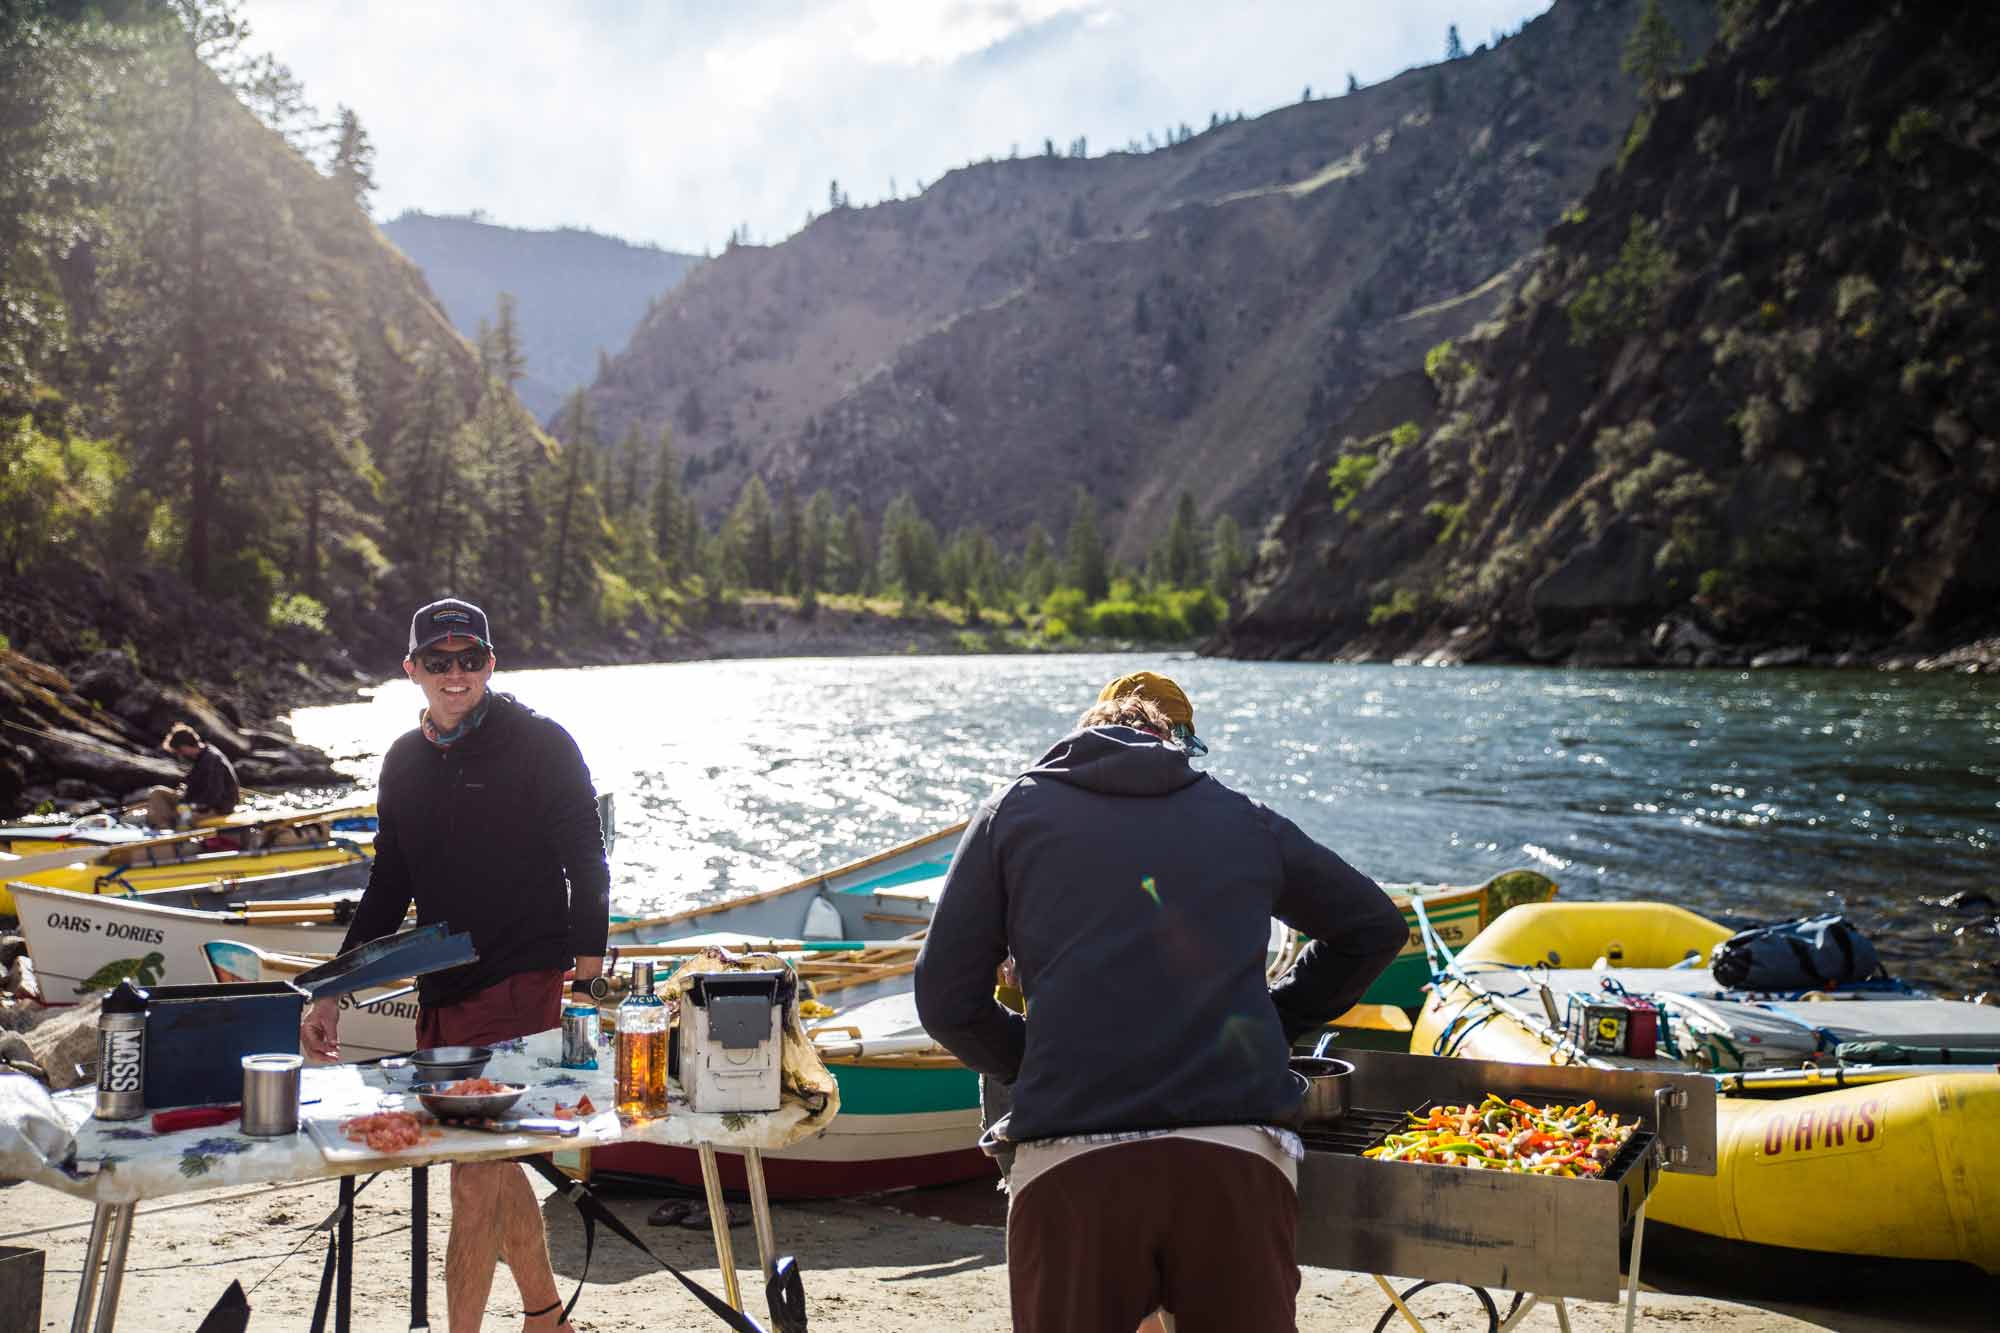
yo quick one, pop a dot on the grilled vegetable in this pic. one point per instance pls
(1509, 1135)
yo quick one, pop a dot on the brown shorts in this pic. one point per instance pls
(525, 1003)
(1101, 1241)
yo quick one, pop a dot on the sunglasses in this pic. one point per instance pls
(467, 660)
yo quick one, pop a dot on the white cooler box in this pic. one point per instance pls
(732, 1040)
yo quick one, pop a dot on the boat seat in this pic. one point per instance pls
(888, 1016)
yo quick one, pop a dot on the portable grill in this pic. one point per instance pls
(1550, 1236)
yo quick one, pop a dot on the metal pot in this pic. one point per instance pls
(445, 1064)
(1326, 1083)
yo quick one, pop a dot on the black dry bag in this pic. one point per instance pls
(1806, 954)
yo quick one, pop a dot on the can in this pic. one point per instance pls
(271, 1094)
(121, 1054)
(579, 1036)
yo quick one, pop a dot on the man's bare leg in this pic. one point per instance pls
(493, 1215)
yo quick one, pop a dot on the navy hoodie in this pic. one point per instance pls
(1135, 895)
(497, 836)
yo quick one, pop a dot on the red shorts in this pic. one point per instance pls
(525, 1003)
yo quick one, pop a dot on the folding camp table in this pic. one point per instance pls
(119, 1164)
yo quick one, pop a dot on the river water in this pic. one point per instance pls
(1754, 794)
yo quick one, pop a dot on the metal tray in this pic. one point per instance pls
(1549, 1235)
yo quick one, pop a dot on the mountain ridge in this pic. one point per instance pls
(1740, 411)
(1190, 318)
(579, 293)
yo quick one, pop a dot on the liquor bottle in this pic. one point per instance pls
(121, 1054)
(579, 1030)
(641, 1076)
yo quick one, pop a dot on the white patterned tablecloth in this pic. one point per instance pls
(125, 1161)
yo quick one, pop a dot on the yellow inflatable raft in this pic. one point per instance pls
(1897, 1161)
(258, 846)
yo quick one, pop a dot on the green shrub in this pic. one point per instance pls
(1055, 629)
(1621, 298)
(1451, 514)
(249, 578)
(56, 494)
(1403, 602)
(1642, 125)
(1906, 137)
(1348, 475)
(1856, 294)
(295, 610)
(1757, 423)
(1064, 604)
(1764, 85)
(1444, 366)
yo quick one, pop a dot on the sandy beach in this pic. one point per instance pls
(914, 1262)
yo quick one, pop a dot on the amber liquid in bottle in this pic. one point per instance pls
(641, 1065)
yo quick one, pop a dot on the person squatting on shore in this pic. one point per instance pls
(1153, 1106)
(210, 789)
(488, 820)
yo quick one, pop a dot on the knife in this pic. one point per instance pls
(564, 1129)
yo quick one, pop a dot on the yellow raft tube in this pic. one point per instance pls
(1899, 1162)
(275, 843)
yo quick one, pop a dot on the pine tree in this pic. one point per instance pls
(791, 522)
(353, 166)
(1226, 556)
(1086, 564)
(694, 420)
(1454, 49)
(668, 540)
(750, 538)
(1652, 51)
(1038, 572)
(579, 521)
(814, 539)
(1185, 562)
(857, 559)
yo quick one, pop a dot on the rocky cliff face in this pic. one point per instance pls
(1192, 318)
(136, 657)
(1742, 408)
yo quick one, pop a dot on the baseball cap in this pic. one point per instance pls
(1168, 696)
(442, 619)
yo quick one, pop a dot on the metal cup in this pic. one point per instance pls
(271, 1095)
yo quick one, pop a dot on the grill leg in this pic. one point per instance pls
(1397, 1301)
(1632, 1278)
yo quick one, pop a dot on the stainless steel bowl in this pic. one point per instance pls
(1326, 1082)
(443, 1064)
(475, 1106)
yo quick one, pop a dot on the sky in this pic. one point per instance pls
(674, 122)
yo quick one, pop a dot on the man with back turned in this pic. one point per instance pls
(488, 822)
(1156, 1165)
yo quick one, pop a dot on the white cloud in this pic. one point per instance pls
(674, 122)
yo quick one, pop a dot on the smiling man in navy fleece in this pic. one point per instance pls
(1152, 1098)
(489, 823)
